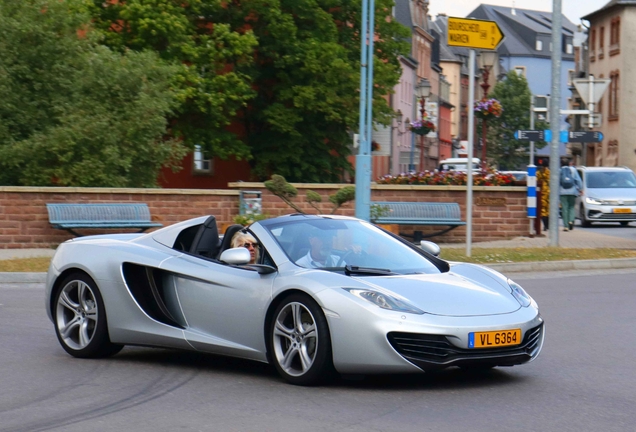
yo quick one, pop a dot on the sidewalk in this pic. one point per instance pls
(578, 238)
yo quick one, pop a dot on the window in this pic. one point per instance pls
(569, 49)
(615, 35)
(601, 42)
(201, 164)
(539, 45)
(613, 96)
(520, 70)
(593, 45)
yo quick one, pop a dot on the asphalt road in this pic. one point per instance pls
(585, 379)
(614, 229)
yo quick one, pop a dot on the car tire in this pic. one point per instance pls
(80, 318)
(299, 342)
(624, 223)
(584, 222)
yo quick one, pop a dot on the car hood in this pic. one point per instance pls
(470, 291)
(625, 194)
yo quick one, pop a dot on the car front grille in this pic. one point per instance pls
(436, 352)
(612, 216)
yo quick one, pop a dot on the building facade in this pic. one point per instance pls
(612, 55)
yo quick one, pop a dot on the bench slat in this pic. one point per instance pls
(101, 215)
(421, 213)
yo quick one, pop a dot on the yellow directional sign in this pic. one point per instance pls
(472, 33)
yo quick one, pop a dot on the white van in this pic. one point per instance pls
(458, 164)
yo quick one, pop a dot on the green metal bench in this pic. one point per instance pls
(71, 217)
(419, 213)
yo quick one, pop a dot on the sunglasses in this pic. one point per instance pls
(249, 245)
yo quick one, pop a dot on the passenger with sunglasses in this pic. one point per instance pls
(246, 240)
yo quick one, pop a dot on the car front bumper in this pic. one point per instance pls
(609, 213)
(373, 340)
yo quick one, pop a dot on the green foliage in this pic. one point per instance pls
(285, 191)
(313, 198)
(377, 211)
(248, 219)
(306, 75)
(208, 53)
(344, 195)
(514, 94)
(75, 113)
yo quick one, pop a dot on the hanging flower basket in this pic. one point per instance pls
(422, 127)
(486, 109)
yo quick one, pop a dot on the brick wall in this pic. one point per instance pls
(498, 212)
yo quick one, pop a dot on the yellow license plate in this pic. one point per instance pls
(622, 210)
(494, 339)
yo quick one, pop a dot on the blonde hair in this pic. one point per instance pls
(239, 240)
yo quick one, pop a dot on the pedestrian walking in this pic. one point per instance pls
(570, 186)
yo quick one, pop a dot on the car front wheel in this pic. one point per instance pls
(299, 342)
(584, 221)
(80, 318)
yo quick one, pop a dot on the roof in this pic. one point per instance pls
(609, 5)
(521, 28)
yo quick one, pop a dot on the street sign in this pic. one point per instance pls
(594, 120)
(472, 33)
(585, 136)
(594, 94)
(580, 136)
(530, 135)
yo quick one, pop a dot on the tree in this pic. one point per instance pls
(514, 94)
(73, 112)
(209, 54)
(287, 70)
(306, 74)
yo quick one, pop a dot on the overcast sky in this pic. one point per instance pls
(572, 9)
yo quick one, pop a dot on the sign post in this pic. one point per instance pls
(474, 34)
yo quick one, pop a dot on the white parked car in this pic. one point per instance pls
(609, 195)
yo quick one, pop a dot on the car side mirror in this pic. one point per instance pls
(236, 256)
(430, 247)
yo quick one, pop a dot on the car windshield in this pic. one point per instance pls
(337, 243)
(611, 180)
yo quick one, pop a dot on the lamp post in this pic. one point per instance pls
(422, 91)
(402, 128)
(486, 61)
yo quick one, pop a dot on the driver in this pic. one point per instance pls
(319, 255)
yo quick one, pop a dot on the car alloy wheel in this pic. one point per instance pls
(584, 221)
(80, 318)
(299, 341)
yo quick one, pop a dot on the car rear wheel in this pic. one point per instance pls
(299, 342)
(80, 318)
(624, 223)
(584, 221)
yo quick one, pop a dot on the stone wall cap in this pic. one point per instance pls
(376, 186)
(95, 190)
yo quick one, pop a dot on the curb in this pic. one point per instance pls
(546, 266)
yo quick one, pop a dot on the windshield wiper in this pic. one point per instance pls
(349, 270)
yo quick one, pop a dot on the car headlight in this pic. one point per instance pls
(384, 300)
(591, 200)
(520, 294)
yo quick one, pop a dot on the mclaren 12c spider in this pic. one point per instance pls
(327, 294)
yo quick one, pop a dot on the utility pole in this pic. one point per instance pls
(555, 122)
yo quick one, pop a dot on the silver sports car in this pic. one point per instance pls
(326, 294)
